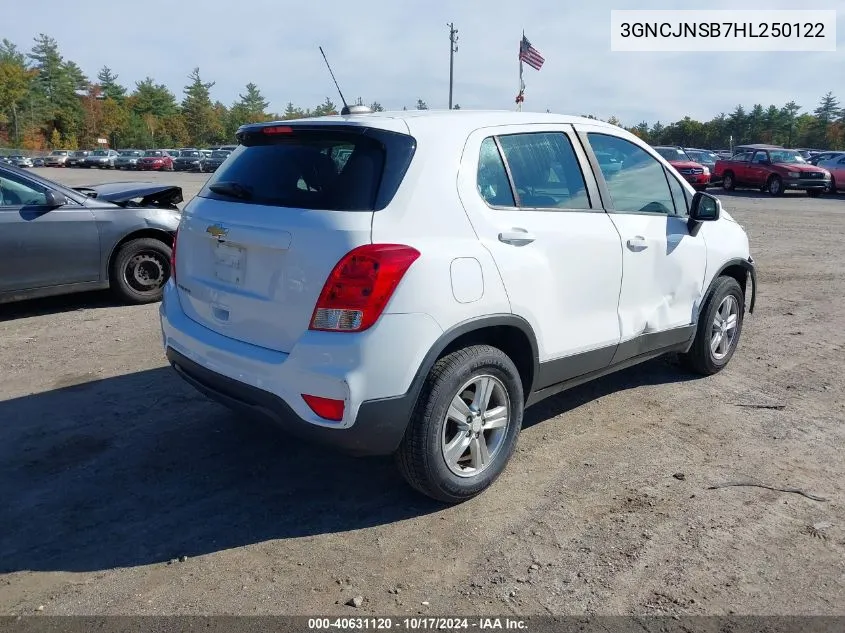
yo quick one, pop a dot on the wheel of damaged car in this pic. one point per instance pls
(464, 428)
(139, 270)
(728, 181)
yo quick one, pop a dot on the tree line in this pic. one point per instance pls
(48, 102)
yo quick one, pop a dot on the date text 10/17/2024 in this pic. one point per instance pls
(417, 624)
(759, 30)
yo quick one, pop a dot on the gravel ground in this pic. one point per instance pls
(125, 492)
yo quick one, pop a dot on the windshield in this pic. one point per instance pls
(672, 153)
(131, 153)
(101, 152)
(81, 153)
(786, 156)
(153, 152)
(219, 154)
(190, 154)
(58, 152)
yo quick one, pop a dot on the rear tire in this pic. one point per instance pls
(715, 344)
(452, 419)
(140, 269)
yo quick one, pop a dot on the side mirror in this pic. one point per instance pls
(705, 208)
(55, 199)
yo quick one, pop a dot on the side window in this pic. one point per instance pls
(545, 171)
(841, 161)
(640, 186)
(15, 192)
(492, 179)
(760, 157)
(679, 196)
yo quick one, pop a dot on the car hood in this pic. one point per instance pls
(125, 193)
(800, 168)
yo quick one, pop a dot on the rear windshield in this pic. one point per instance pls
(151, 152)
(330, 170)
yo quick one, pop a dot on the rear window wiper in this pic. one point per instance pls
(231, 189)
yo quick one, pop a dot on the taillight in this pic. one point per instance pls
(360, 285)
(326, 408)
(278, 129)
(173, 255)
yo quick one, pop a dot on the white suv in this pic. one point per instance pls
(409, 282)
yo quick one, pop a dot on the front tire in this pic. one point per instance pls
(775, 186)
(728, 183)
(140, 269)
(719, 328)
(831, 188)
(464, 428)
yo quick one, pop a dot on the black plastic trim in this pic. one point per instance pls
(553, 390)
(378, 429)
(473, 325)
(562, 373)
(553, 372)
(751, 269)
(654, 341)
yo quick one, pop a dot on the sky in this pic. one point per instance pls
(397, 51)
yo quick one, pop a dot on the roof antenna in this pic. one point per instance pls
(355, 109)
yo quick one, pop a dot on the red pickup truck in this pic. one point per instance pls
(772, 169)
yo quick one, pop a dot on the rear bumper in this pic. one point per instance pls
(378, 429)
(372, 372)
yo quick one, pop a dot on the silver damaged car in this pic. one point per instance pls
(57, 240)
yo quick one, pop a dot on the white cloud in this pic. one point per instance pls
(398, 51)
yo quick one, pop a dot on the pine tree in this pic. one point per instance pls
(109, 86)
(198, 110)
(253, 102)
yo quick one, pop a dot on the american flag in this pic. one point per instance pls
(530, 55)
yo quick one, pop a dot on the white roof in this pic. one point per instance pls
(465, 119)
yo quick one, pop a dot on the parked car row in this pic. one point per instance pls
(185, 159)
(770, 168)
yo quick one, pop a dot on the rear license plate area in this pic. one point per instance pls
(229, 263)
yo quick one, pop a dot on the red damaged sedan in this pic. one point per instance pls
(694, 173)
(155, 160)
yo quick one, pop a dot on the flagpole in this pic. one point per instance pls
(521, 92)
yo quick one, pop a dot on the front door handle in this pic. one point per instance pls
(637, 243)
(516, 237)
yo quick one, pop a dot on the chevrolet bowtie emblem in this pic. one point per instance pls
(217, 230)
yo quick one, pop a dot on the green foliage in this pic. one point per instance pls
(200, 116)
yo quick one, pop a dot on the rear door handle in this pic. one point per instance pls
(637, 243)
(516, 237)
